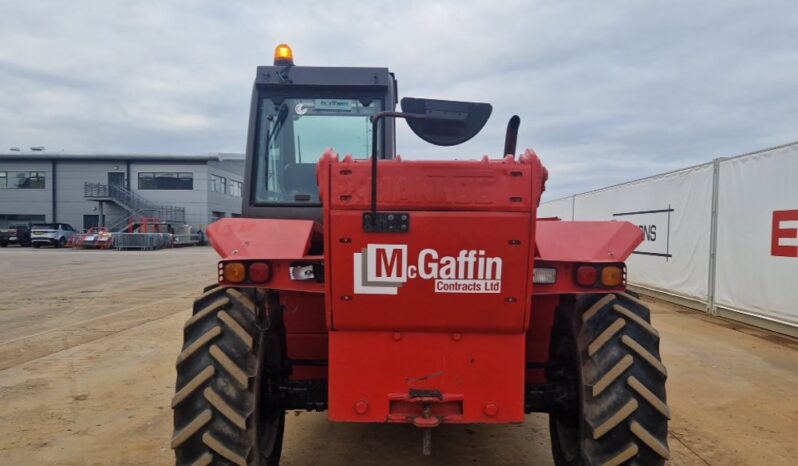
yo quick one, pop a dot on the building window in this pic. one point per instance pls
(22, 180)
(235, 188)
(18, 219)
(216, 215)
(166, 180)
(218, 184)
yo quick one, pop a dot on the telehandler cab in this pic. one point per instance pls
(385, 290)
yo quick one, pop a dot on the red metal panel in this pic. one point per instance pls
(344, 187)
(303, 312)
(246, 238)
(306, 349)
(586, 241)
(439, 301)
(483, 373)
(538, 337)
(306, 333)
(497, 185)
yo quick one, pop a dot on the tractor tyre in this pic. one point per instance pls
(605, 353)
(225, 404)
(210, 287)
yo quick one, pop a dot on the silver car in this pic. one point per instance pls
(53, 234)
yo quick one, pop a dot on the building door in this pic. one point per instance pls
(90, 221)
(116, 179)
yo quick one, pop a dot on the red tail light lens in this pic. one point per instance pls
(259, 272)
(586, 275)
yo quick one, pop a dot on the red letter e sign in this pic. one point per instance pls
(784, 240)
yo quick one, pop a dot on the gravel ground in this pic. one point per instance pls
(88, 341)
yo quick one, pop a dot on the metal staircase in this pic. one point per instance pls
(136, 206)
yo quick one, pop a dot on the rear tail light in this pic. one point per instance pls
(586, 275)
(601, 276)
(243, 272)
(233, 272)
(611, 276)
(259, 272)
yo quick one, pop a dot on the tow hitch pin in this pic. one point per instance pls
(426, 439)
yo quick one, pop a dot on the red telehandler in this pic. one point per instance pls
(422, 292)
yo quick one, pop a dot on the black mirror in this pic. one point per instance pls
(448, 122)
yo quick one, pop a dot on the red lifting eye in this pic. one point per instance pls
(586, 275)
(259, 272)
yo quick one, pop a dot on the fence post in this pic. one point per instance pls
(713, 239)
(573, 207)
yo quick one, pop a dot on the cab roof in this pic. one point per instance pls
(323, 76)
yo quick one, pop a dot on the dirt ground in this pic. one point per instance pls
(88, 341)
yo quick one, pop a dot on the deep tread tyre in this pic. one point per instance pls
(606, 350)
(223, 405)
(210, 287)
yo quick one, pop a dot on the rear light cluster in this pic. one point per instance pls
(592, 276)
(607, 276)
(240, 272)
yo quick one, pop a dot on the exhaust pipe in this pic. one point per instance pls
(511, 136)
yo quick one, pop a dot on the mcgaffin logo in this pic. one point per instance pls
(383, 268)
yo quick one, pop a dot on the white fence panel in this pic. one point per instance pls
(562, 208)
(755, 273)
(757, 245)
(673, 211)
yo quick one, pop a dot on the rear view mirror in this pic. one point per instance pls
(448, 122)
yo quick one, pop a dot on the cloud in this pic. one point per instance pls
(607, 91)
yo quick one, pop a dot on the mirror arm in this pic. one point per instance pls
(375, 119)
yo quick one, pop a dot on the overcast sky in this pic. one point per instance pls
(607, 91)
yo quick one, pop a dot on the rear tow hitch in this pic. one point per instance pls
(426, 422)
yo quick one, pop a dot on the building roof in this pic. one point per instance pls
(44, 155)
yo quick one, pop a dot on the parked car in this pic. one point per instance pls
(15, 234)
(95, 238)
(54, 234)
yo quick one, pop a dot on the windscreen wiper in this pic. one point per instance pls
(282, 115)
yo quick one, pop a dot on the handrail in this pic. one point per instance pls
(134, 203)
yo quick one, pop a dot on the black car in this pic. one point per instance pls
(15, 234)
